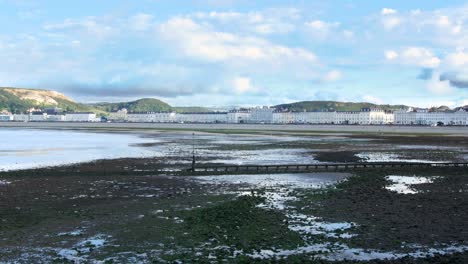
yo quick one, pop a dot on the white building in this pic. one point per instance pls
(38, 117)
(426, 117)
(6, 118)
(119, 116)
(349, 118)
(316, 117)
(81, 117)
(238, 116)
(459, 117)
(283, 117)
(261, 115)
(209, 117)
(21, 117)
(364, 117)
(151, 117)
(55, 118)
(375, 116)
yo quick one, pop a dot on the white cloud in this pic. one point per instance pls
(389, 18)
(265, 22)
(457, 59)
(445, 27)
(141, 22)
(436, 86)
(416, 56)
(388, 11)
(204, 43)
(242, 85)
(222, 16)
(443, 21)
(420, 56)
(333, 75)
(390, 22)
(325, 30)
(99, 28)
(391, 54)
(322, 26)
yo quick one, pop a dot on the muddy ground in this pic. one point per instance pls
(149, 211)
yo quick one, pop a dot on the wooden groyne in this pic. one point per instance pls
(301, 168)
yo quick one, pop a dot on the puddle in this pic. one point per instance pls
(389, 157)
(309, 180)
(402, 184)
(3, 182)
(93, 242)
(78, 253)
(263, 157)
(429, 147)
(310, 225)
(340, 252)
(78, 232)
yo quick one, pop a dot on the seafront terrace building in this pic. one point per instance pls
(6, 118)
(283, 117)
(37, 117)
(56, 118)
(208, 117)
(150, 117)
(261, 115)
(118, 116)
(238, 116)
(21, 117)
(426, 117)
(81, 117)
(366, 116)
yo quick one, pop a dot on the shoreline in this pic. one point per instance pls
(150, 205)
(254, 128)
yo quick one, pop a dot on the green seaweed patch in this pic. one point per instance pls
(387, 220)
(240, 224)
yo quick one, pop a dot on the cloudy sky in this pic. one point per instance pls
(239, 52)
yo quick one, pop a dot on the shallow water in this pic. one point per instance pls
(27, 148)
(402, 184)
(309, 180)
(390, 157)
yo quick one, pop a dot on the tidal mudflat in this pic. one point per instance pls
(148, 209)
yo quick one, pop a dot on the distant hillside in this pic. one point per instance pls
(18, 100)
(462, 107)
(142, 105)
(333, 106)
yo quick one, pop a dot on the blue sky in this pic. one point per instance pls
(239, 52)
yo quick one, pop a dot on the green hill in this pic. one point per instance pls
(19, 100)
(142, 105)
(333, 106)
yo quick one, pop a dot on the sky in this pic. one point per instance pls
(239, 52)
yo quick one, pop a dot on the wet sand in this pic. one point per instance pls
(143, 210)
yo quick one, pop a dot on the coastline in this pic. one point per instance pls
(232, 128)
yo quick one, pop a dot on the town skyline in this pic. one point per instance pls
(238, 53)
(37, 99)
